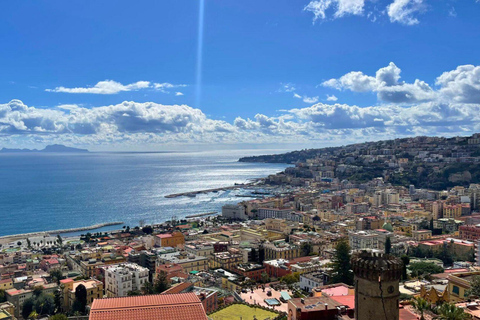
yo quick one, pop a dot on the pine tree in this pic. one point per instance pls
(341, 264)
(388, 246)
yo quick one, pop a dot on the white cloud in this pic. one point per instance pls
(461, 84)
(405, 11)
(310, 99)
(386, 84)
(164, 87)
(287, 87)
(178, 93)
(104, 87)
(305, 98)
(113, 87)
(331, 97)
(454, 109)
(341, 8)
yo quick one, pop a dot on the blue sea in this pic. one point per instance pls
(41, 192)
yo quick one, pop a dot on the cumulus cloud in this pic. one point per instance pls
(113, 87)
(461, 84)
(178, 93)
(287, 87)
(386, 84)
(405, 11)
(306, 99)
(331, 97)
(340, 8)
(452, 108)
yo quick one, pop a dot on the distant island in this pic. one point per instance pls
(54, 148)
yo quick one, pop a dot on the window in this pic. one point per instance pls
(456, 290)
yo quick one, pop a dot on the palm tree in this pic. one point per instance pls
(421, 305)
(448, 311)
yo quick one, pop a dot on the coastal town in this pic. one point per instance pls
(379, 230)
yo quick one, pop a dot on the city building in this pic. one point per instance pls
(120, 279)
(94, 291)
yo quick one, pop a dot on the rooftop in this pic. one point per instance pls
(152, 307)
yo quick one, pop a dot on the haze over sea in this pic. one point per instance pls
(40, 192)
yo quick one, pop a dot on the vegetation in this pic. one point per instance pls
(421, 305)
(448, 311)
(341, 264)
(56, 275)
(3, 296)
(474, 290)
(406, 261)
(388, 245)
(80, 303)
(59, 316)
(39, 304)
(291, 278)
(420, 269)
(232, 312)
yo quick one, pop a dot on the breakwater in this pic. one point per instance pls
(60, 231)
(194, 193)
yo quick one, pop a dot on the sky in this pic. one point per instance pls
(161, 75)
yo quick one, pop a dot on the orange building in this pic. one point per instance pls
(173, 239)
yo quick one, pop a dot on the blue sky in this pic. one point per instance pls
(273, 72)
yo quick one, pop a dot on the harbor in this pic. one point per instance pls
(194, 193)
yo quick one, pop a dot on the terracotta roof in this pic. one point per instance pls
(166, 307)
(178, 288)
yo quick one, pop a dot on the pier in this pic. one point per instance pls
(194, 193)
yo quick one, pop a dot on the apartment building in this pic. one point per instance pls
(120, 279)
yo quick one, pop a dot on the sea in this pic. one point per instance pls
(43, 191)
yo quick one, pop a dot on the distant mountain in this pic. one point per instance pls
(57, 148)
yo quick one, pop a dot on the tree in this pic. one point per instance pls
(406, 261)
(3, 296)
(33, 315)
(448, 311)
(37, 290)
(424, 268)
(421, 305)
(27, 307)
(58, 316)
(306, 248)
(253, 255)
(19, 243)
(29, 244)
(80, 302)
(341, 264)
(56, 275)
(388, 245)
(147, 230)
(57, 299)
(148, 288)
(132, 293)
(265, 277)
(59, 240)
(474, 290)
(161, 282)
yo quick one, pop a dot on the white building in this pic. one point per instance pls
(233, 211)
(125, 277)
(311, 280)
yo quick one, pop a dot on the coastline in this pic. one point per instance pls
(13, 237)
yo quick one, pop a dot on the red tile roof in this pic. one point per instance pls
(178, 288)
(166, 307)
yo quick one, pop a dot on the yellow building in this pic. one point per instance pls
(420, 235)
(459, 284)
(94, 291)
(174, 239)
(281, 250)
(6, 284)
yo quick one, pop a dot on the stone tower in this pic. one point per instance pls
(376, 286)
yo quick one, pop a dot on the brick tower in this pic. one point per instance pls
(376, 286)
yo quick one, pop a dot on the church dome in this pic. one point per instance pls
(387, 226)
